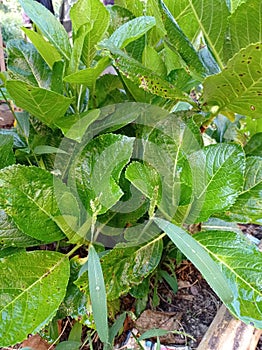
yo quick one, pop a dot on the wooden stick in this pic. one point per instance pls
(228, 333)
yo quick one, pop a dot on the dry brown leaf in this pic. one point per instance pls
(37, 343)
(164, 320)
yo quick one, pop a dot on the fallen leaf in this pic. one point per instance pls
(36, 343)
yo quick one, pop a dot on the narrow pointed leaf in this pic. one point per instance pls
(32, 286)
(178, 42)
(97, 294)
(47, 106)
(48, 52)
(241, 263)
(49, 25)
(238, 88)
(199, 257)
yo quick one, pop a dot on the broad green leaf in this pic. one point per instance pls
(212, 17)
(215, 224)
(254, 145)
(178, 42)
(145, 78)
(69, 345)
(49, 26)
(11, 236)
(233, 4)
(48, 52)
(98, 295)
(97, 170)
(6, 151)
(136, 6)
(152, 60)
(99, 20)
(199, 257)
(131, 31)
(27, 196)
(218, 173)
(75, 126)
(88, 76)
(146, 179)
(126, 267)
(241, 263)
(238, 88)
(32, 286)
(166, 149)
(45, 105)
(26, 64)
(248, 206)
(244, 26)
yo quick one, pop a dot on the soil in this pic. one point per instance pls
(195, 302)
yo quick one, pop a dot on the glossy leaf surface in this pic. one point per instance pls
(6, 151)
(11, 236)
(248, 207)
(218, 175)
(96, 172)
(241, 263)
(238, 88)
(32, 286)
(27, 196)
(26, 64)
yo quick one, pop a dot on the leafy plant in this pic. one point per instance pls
(114, 163)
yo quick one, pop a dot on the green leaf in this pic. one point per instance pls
(212, 17)
(125, 267)
(98, 16)
(178, 42)
(144, 77)
(199, 257)
(248, 206)
(241, 264)
(45, 149)
(26, 64)
(6, 151)
(48, 52)
(98, 294)
(88, 76)
(131, 31)
(116, 327)
(26, 190)
(49, 26)
(152, 60)
(32, 286)
(254, 145)
(75, 126)
(167, 148)
(240, 35)
(69, 345)
(97, 170)
(238, 88)
(11, 236)
(218, 172)
(47, 106)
